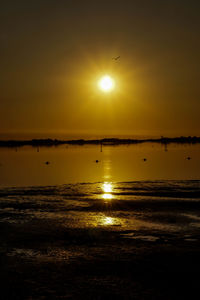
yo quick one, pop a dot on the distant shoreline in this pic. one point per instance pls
(105, 141)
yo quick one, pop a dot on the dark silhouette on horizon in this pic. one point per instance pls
(102, 142)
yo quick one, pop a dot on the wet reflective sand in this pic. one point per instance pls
(154, 206)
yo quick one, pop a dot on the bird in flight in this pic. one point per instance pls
(116, 58)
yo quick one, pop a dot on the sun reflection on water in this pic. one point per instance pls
(104, 220)
(107, 196)
(108, 221)
(107, 189)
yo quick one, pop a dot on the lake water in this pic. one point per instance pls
(77, 164)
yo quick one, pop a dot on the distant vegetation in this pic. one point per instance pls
(106, 141)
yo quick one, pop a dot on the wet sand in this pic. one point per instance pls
(76, 242)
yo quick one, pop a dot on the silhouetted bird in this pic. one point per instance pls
(116, 58)
(47, 163)
(97, 161)
(188, 158)
(144, 159)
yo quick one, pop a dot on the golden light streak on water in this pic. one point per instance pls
(107, 188)
(108, 221)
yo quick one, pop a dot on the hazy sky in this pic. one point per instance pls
(53, 52)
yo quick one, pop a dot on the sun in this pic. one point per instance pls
(106, 84)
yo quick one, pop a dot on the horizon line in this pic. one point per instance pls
(102, 141)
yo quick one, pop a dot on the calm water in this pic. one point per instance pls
(26, 166)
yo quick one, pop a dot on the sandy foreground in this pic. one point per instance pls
(57, 244)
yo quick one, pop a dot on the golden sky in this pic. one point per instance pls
(53, 53)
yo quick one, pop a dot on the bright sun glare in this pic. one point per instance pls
(107, 188)
(106, 84)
